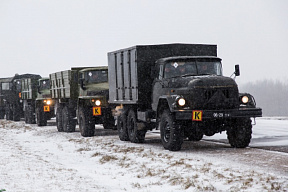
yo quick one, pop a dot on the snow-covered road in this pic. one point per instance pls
(41, 159)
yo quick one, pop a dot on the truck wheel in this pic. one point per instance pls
(59, 119)
(26, 117)
(121, 127)
(16, 113)
(68, 120)
(9, 114)
(135, 135)
(29, 115)
(40, 117)
(2, 114)
(109, 121)
(171, 134)
(239, 135)
(86, 123)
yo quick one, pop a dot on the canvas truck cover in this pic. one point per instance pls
(130, 79)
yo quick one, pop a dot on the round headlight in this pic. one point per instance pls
(245, 99)
(181, 102)
(48, 102)
(97, 102)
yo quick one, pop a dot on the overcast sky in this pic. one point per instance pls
(45, 36)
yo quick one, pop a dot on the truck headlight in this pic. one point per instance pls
(181, 102)
(97, 102)
(245, 99)
(48, 102)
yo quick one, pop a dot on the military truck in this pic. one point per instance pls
(179, 89)
(44, 105)
(28, 96)
(2, 100)
(12, 96)
(82, 93)
(36, 97)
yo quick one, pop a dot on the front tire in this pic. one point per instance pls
(240, 134)
(171, 133)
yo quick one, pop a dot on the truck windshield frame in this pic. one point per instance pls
(199, 67)
(97, 76)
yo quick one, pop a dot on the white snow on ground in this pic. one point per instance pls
(41, 159)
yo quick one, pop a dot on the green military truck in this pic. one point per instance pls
(82, 93)
(11, 95)
(4, 85)
(44, 105)
(179, 89)
(28, 97)
(36, 97)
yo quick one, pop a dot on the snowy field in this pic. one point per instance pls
(41, 159)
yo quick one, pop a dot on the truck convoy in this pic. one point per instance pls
(24, 96)
(179, 89)
(82, 93)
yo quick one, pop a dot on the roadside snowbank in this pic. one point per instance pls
(42, 159)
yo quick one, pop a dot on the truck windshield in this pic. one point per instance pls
(17, 85)
(44, 84)
(192, 68)
(96, 76)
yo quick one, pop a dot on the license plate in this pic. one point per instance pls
(221, 115)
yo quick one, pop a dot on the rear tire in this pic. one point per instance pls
(2, 114)
(9, 114)
(121, 127)
(16, 113)
(135, 135)
(59, 119)
(68, 120)
(171, 133)
(41, 117)
(109, 121)
(240, 134)
(29, 115)
(86, 123)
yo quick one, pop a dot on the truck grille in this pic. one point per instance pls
(210, 93)
(220, 98)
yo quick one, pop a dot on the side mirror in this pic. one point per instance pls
(38, 89)
(237, 70)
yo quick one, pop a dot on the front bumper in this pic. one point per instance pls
(199, 115)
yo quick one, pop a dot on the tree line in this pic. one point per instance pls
(270, 95)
